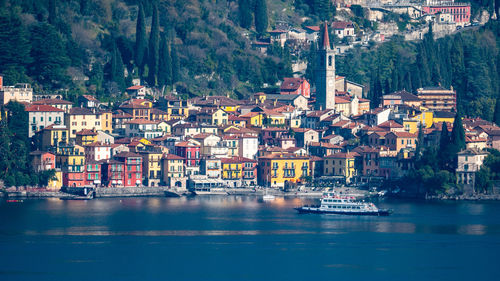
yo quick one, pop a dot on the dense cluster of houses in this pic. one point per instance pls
(277, 140)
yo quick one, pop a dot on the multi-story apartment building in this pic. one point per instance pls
(282, 170)
(41, 116)
(438, 98)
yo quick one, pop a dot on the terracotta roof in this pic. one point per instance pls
(340, 100)
(390, 124)
(186, 144)
(343, 155)
(292, 84)
(81, 111)
(312, 28)
(138, 87)
(404, 134)
(326, 39)
(236, 159)
(172, 157)
(140, 121)
(43, 108)
(126, 154)
(341, 24)
(98, 144)
(86, 132)
(51, 101)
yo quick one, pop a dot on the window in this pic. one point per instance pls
(41, 118)
(329, 60)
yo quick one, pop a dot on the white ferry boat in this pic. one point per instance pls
(344, 205)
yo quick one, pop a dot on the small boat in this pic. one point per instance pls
(344, 205)
(268, 197)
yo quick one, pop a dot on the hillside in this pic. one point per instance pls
(83, 45)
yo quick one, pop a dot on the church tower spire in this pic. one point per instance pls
(325, 73)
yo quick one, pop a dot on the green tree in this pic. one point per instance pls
(261, 17)
(496, 116)
(49, 55)
(457, 137)
(165, 64)
(52, 12)
(245, 13)
(140, 40)
(154, 47)
(117, 68)
(175, 64)
(311, 64)
(14, 48)
(444, 155)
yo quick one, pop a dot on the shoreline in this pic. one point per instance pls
(76, 194)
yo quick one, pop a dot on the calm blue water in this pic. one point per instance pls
(243, 238)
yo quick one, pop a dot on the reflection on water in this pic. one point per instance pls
(242, 216)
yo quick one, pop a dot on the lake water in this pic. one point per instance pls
(243, 238)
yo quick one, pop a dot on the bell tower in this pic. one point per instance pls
(325, 73)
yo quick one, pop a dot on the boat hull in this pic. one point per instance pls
(312, 210)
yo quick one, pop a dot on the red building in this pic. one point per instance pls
(43, 161)
(93, 174)
(132, 168)
(190, 152)
(459, 11)
(112, 173)
(296, 86)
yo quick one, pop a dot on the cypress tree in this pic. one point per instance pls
(311, 64)
(165, 64)
(245, 13)
(496, 115)
(52, 11)
(154, 46)
(261, 20)
(444, 142)
(175, 64)
(117, 69)
(457, 138)
(140, 40)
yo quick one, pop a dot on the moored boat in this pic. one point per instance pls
(344, 205)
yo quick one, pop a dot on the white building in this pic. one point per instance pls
(143, 128)
(248, 146)
(21, 92)
(97, 151)
(41, 116)
(469, 163)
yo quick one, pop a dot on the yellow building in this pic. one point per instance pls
(70, 158)
(340, 164)
(282, 170)
(173, 171)
(107, 121)
(212, 116)
(152, 167)
(80, 118)
(443, 116)
(52, 136)
(85, 137)
(231, 169)
(424, 116)
(253, 118)
(411, 126)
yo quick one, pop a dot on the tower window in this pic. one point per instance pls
(329, 60)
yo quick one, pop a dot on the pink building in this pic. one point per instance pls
(296, 86)
(459, 11)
